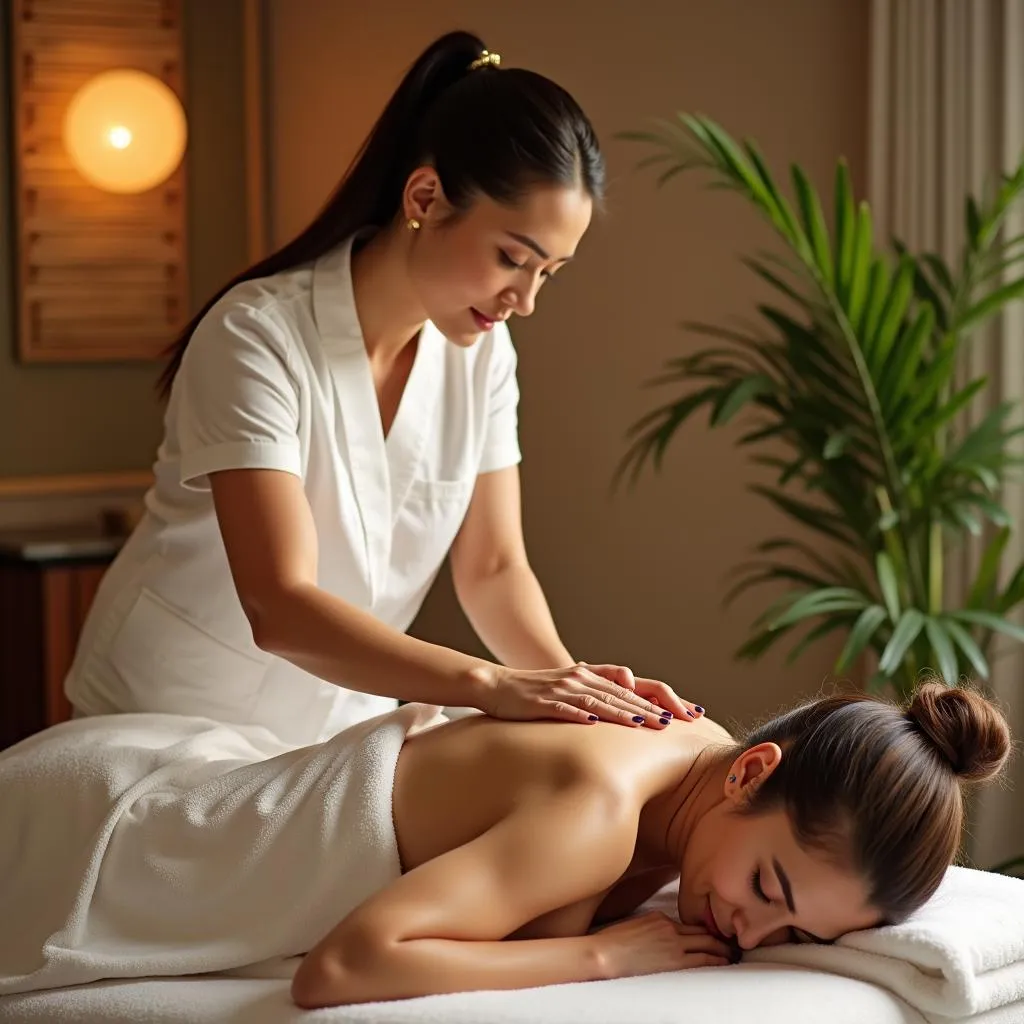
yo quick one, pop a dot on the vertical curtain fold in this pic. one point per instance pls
(946, 119)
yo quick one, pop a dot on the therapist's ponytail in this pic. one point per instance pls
(486, 131)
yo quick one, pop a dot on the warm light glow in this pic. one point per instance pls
(125, 131)
(120, 137)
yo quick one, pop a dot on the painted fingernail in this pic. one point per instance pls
(690, 713)
(593, 718)
(698, 709)
(666, 714)
(638, 718)
(665, 721)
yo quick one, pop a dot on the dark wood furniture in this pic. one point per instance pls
(48, 579)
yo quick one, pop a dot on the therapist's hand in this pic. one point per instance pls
(584, 693)
(653, 690)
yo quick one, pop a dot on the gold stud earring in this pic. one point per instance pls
(412, 224)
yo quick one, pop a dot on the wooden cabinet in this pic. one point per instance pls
(44, 598)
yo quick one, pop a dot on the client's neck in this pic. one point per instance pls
(669, 817)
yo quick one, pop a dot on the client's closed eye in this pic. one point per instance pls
(755, 885)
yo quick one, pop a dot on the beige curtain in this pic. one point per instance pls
(946, 116)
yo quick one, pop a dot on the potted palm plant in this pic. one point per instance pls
(849, 388)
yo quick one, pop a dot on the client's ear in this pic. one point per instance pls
(749, 771)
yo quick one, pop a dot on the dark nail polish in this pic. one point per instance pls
(665, 721)
(699, 709)
(593, 718)
(690, 713)
(666, 714)
(638, 718)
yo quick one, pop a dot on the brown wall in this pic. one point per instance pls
(79, 418)
(638, 578)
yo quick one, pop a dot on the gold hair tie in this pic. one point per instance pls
(485, 58)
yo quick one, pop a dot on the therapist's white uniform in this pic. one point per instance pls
(277, 377)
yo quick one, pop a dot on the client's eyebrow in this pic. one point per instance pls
(787, 892)
(535, 246)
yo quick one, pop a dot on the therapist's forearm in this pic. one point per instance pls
(510, 615)
(344, 645)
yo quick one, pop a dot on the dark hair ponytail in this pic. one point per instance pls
(486, 131)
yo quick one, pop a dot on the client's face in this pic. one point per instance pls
(747, 878)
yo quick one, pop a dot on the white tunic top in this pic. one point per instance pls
(277, 376)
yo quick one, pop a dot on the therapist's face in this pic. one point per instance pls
(489, 262)
(748, 878)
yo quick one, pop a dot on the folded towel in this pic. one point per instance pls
(140, 845)
(961, 954)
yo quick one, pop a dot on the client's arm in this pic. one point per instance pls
(438, 928)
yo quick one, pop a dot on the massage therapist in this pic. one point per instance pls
(341, 417)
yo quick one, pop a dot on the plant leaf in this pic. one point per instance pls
(888, 584)
(845, 232)
(736, 397)
(878, 290)
(995, 512)
(905, 359)
(877, 348)
(760, 643)
(814, 635)
(814, 221)
(772, 573)
(966, 643)
(835, 445)
(658, 428)
(860, 269)
(1013, 594)
(906, 632)
(950, 409)
(942, 275)
(964, 518)
(985, 580)
(990, 304)
(989, 620)
(973, 220)
(818, 602)
(810, 515)
(941, 644)
(860, 636)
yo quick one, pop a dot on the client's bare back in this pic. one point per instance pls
(456, 781)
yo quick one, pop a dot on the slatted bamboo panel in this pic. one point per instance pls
(100, 276)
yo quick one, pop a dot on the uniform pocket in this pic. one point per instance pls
(428, 522)
(441, 490)
(169, 664)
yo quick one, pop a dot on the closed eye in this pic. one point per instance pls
(507, 261)
(755, 885)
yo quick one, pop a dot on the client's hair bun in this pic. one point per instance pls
(968, 730)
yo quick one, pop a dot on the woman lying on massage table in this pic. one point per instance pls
(840, 815)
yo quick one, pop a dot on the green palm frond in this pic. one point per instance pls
(846, 390)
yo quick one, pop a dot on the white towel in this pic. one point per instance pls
(136, 845)
(962, 954)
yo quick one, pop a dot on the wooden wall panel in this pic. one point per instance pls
(100, 276)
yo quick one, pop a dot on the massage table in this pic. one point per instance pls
(758, 993)
(747, 993)
(173, 850)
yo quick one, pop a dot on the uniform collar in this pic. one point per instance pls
(381, 471)
(334, 301)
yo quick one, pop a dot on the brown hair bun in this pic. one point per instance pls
(967, 729)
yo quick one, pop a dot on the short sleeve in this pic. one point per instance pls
(501, 439)
(237, 402)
